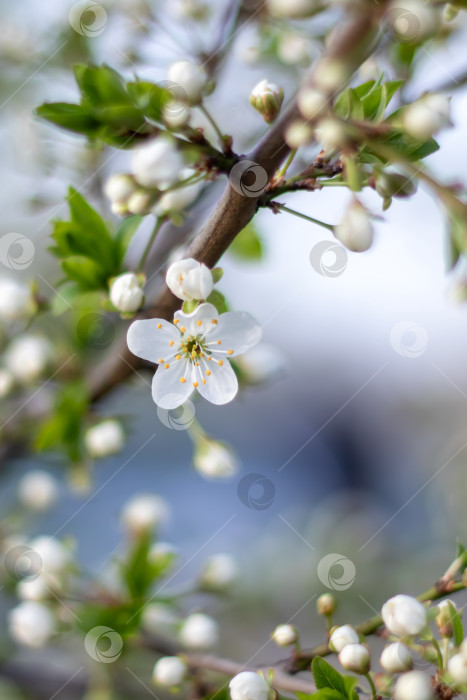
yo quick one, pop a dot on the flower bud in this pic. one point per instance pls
(330, 75)
(53, 556)
(31, 624)
(326, 604)
(293, 49)
(404, 616)
(396, 658)
(158, 164)
(219, 572)
(199, 631)
(126, 293)
(414, 685)
(162, 554)
(390, 185)
(16, 301)
(119, 188)
(285, 635)
(341, 636)
(214, 460)
(189, 279)
(191, 78)
(457, 667)
(38, 588)
(267, 99)
(140, 202)
(248, 685)
(119, 209)
(7, 382)
(157, 616)
(27, 357)
(426, 116)
(178, 200)
(294, 9)
(169, 671)
(38, 490)
(355, 231)
(176, 114)
(312, 103)
(298, 133)
(104, 439)
(332, 134)
(444, 618)
(355, 657)
(144, 512)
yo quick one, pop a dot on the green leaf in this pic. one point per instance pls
(217, 274)
(456, 238)
(139, 571)
(348, 105)
(76, 118)
(63, 430)
(124, 234)
(326, 676)
(458, 631)
(94, 235)
(323, 694)
(88, 273)
(247, 245)
(149, 98)
(101, 85)
(218, 300)
(189, 306)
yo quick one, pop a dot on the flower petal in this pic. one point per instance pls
(150, 339)
(168, 391)
(237, 331)
(221, 383)
(199, 321)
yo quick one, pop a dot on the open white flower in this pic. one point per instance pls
(189, 279)
(193, 353)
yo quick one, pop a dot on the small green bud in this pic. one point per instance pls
(267, 99)
(390, 185)
(444, 618)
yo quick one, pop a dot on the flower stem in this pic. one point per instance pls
(304, 216)
(157, 227)
(445, 651)
(283, 170)
(434, 641)
(374, 693)
(213, 123)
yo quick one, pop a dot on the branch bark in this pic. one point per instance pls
(350, 43)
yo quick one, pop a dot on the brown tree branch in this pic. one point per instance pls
(351, 43)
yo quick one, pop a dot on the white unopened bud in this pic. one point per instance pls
(330, 75)
(404, 615)
(177, 200)
(157, 164)
(396, 658)
(332, 134)
(119, 209)
(16, 301)
(189, 279)
(38, 588)
(355, 657)
(457, 667)
(342, 636)
(7, 382)
(298, 133)
(126, 293)
(291, 8)
(105, 438)
(326, 604)
(426, 116)
(214, 460)
(169, 671)
(414, 685)
(219, 572)
(176, 114)
(157, 616)
(355, 231)
(31, 624)
(249, 686)
(267, 99)
(191, 78)
(199, 631)
(144, 512)
(312, 103)
(38, 490)
(293, 49)
(118, 188)
(53, 558)
(27, 357)
(285, 635)
(140, 202)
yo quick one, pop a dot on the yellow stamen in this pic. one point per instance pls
(182, 328)
(195, 384)
(183, 380)
(218, 342)
(171, 343)
(204, 381)
(159, 325)
(160, 360)
(178, 357)
(220, 363)
(166, 365)
(176, 320)
(229, 352)
(198, 323)
(208, 372)
(214, 320)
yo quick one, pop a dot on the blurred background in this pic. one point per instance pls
(358, 440)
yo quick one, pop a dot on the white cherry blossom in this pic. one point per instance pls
(193, 352)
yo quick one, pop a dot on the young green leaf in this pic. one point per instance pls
(247, 245)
